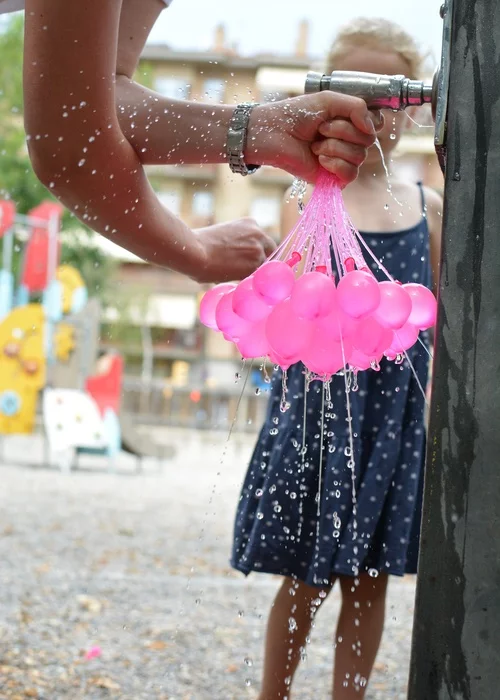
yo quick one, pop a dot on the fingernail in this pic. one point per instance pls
(369, 123)
(378, 119)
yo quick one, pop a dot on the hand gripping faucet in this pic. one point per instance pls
(397, 92)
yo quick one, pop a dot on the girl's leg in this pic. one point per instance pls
(288, 627)
(359, 632)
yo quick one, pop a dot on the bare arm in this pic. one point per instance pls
(80, 151)
(76, 144)
(434, 217)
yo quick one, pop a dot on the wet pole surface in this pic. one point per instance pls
(456, 645)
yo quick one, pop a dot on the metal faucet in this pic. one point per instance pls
(379, 91)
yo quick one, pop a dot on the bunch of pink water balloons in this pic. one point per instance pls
(292, 310)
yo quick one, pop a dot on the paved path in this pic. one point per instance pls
(137, 564)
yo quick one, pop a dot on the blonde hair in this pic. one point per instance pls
(376, 33)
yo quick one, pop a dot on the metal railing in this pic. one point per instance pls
(156, 403)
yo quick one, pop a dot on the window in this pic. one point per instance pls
(214, 90)
(175, 88)
(203, 204)
(266, 211)
(274, 96)
(171, 199)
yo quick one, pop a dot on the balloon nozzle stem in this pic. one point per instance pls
(349, 264)
(295, 258)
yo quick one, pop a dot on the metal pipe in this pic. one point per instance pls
(379, 91)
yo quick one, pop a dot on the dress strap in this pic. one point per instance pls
(422, 199)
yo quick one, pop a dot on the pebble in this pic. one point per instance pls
(73, 577)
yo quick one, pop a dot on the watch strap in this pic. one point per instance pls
(237, 139)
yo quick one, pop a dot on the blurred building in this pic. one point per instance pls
(178, 349)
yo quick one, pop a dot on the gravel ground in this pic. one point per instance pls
(136, 564)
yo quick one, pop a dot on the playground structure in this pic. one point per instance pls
(48, 348)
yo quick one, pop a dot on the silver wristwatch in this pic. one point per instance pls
(237, 139)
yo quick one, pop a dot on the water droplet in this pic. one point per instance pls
(292, 624)
(393, 137)
(257, 391)
(81, 162)
(259, 493)
(248, 682)
(386, 207)
(248, 661)
(373, 573)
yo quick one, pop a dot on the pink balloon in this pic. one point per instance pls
(404, 338)
(358, 360)
(313, 295)
(281, 361)
(358, 293)
(273, 281)
(288, 335)
(385, 343)
(209, 304)
(247, 304)
(338, 324)
(395, 305)
(371, 338)
(323, 355)
(424, 306)
(228, 322)
(254, 343)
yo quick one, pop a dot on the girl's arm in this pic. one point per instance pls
(434, 219)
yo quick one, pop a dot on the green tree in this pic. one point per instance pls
(17, 179)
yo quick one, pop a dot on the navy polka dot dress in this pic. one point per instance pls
(351, 513)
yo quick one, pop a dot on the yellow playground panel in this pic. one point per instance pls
(22, 367)
(70, 280)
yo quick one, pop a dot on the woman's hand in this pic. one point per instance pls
(303, 133)
(232, 250)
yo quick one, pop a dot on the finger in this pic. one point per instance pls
(333, 148)
(269, 245)
(346, 172)
(378, 119)
(353, 108)
(345, 131)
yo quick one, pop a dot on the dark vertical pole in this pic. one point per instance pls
(456, 645)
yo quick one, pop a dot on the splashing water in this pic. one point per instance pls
(386, 170)
(420, 126)
(284, 404)
(299, 189)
